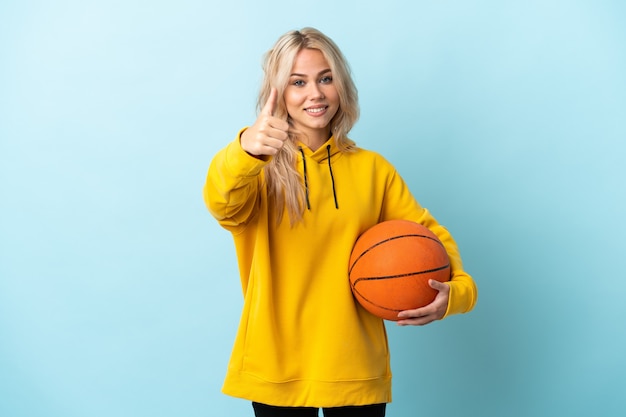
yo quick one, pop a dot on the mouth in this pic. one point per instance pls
(316, 110)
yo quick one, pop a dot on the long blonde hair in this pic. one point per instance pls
(284, 183)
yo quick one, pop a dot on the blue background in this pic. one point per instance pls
(119, 294)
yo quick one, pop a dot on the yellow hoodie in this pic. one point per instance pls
(303, 340)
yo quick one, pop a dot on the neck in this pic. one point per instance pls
(314, 140)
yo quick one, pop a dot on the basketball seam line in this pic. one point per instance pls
(374, 278)
(408, 274)
(389, 239)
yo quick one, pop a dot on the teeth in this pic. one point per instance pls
(318, 110)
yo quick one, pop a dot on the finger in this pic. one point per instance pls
(425, 311)
(270, 104)
(437, 285)
(271, 147)
(275, 143)
(279, 124)
(264, 148)
(279, 130)
(413, 314)
(416, 320)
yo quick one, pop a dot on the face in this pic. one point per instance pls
(311, 97)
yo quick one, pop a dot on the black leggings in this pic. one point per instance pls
(375, 410)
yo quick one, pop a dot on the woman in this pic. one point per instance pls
(296, 193)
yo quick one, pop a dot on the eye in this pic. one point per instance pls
(298, 83)
(326, 79)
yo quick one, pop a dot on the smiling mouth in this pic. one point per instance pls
(315, 110)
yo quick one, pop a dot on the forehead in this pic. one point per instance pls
(309, 61)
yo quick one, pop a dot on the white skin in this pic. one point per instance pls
(311, 97)
(312, 101)
(268, 134)
(427, 314)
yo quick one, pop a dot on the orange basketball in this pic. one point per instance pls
(391, 264)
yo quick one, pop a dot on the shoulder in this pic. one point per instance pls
(368, 156)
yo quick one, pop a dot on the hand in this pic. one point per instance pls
(433, 311)
(268, 134)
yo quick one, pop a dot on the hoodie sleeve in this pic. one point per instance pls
(463, 291)
(232, 188)
(400, 204)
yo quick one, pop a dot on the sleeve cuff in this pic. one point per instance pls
(463, 295)
(241, 162)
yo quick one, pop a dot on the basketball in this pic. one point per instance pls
(390, 266)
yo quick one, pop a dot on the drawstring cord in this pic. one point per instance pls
(306, 178)
(306, 181)
(332, 177)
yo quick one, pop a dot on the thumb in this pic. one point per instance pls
(270, 104)
(436, 285)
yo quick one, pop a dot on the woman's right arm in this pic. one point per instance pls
(233, 184)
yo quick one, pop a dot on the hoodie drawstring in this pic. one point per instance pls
(332, 177)
(306, 178)
(306, 181)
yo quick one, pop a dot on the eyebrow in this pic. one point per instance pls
(304, 75)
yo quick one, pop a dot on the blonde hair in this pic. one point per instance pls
(284, 183)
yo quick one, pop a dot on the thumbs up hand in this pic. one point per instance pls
(268, 134)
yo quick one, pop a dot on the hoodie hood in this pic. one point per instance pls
(325, 154)
(321, 155)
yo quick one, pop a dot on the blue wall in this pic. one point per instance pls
(119, 293)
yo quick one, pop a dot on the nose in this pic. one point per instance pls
(315, 92)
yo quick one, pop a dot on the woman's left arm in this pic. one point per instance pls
(456, 296)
